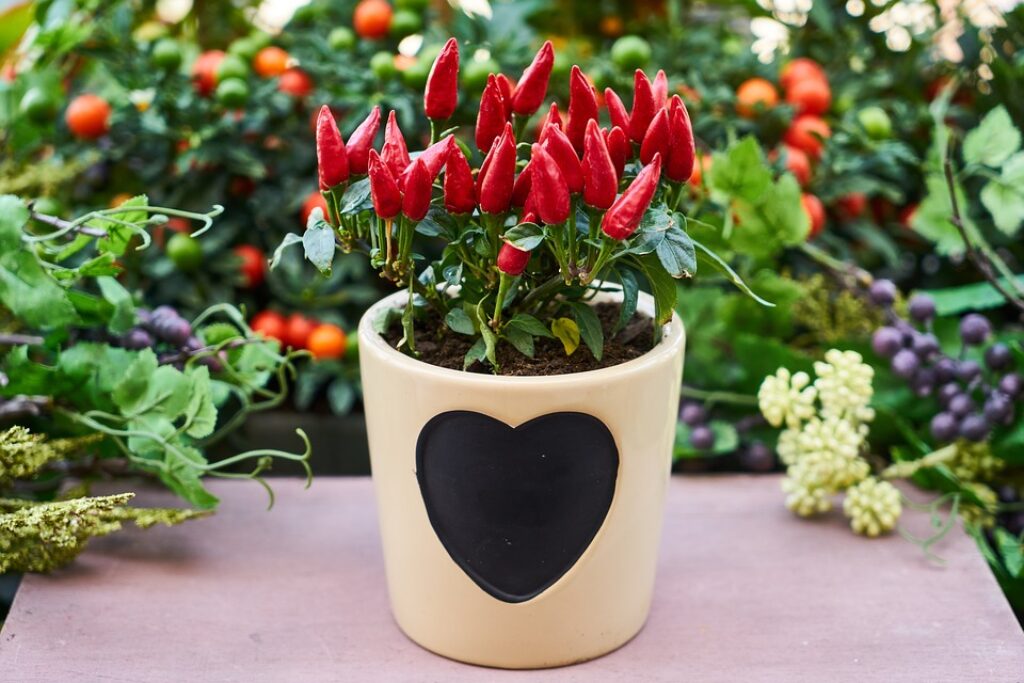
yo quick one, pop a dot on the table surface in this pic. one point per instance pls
(745, 591)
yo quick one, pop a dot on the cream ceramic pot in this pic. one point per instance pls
(520, 516)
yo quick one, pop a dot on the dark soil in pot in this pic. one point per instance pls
(439, 345)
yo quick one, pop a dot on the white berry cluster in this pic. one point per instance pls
(826, 429)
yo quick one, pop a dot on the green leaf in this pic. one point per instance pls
(657, 221)
(1004, 196)
(119, 235)
(718, 263)
(529, 324)
(356, 198)
(458, 321)
(489, 338)
(123, 317)
(385, 318)
(521, 340)
(676, 253)
(663, 287)
(933, 221)
(103, 264)
(727, 440)
(289, 239)
(977, 296)
(630, 296)
(1012, 550)
(183, 478)
(993, 141)
(476, 353)
(341, 395)
(149, 388)
(318, 242)
(740, 172)
(590, 327)
(31, 294)
(525, 236)
(567, 332)
(775, 219)
(13, 216)
(200, 413)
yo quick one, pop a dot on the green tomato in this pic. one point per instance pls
(49, 206)
(341, 38)
(167, 54)
(244, 48)
(382, 65)
(184, 252)
(416, 75)
(232, 93)
(260, 39)
(405, 22)
(232, 66)
(876, 122)
(631, 52)
(38, 106)
(352, 348)
(475, 73)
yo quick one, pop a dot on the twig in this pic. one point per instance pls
(62, 224)
(859, 275)
(983, 264)
(19, 339)
(20, 406)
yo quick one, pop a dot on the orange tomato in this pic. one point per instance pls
(815, 211)
(297, 330)
(270, 61)
(313, 200)
(269, 324)
(119, 199)
(295, 82)
(801, 69)
(701, 164)
(327, 342)
(612, 26)
(204, 71)
(808, 133)
(755, 92)
(372, 19)
(403, 62)
(254, 264)
(88, 117)
(810, 96)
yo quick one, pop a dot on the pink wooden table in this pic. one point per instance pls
(745, 592)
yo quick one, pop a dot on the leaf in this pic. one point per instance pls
(103, 264)
(630, 296)
(676, 253)
(525, 236)
(318, 242)
(741, 171)
(528, 323)
(118, 234)
(183, 478)
(726, 441)
(289, 239)
(663, 287)
(1012, 550)
(1004, 196)
(993, 141)
(200, 413)
(973, 297)
(31, 294)
(657, 221)
(487, 334)
(123, 317)
(385, 318)
(521, 340)
(341, 395)
(776, 219)
(567, 332)
(717, 262)
(13, 216)
(932, 219)
(476, 353)
(146, 387)
(458, 321)
(589, 326)
(356, 198)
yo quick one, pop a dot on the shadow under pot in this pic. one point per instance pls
(520, 516)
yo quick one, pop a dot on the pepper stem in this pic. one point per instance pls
(503, 284)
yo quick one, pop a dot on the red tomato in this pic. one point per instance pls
(907, 214)
(204, 71)
(852, 205)
(815, 211)
(372, 19)
(799, 70)
(269, 324)
(295, 82)
(254, 264)
(808, 133)
(811, 96)
(799, 164)
(88, 116)
(313, 200)
(297, 331)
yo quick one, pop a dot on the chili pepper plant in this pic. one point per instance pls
(542, 215)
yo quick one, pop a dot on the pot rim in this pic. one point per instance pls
(672, 340)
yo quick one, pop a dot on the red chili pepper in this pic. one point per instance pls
(656, 140)
(549, 194)
(331, 156)
(600, 182)
(528, 217)
(433, 158)
(618, 149)
(521, 189)
(441, 95)
(387, 198)
(644, 107)
(506, 88)
(554, 116)
(660, 88)
(394, 153)
(498, 174)
(624, 217)
(616, 109)
(582, 108)
(512, 260)
(681, 150)
(416, 196)
(361, 141)
(556, 143)
(490, 120)
(533, 85)
(459, 193)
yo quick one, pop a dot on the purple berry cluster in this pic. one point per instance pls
(164, 330)
(753, 456)
(974, 399)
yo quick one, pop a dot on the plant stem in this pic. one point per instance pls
(503, 284)
(18, 339)
(719, 396)
(861, 276)
(542, 291)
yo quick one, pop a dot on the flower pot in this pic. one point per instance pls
(520, 516)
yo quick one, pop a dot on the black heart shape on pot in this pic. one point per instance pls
(516, 507)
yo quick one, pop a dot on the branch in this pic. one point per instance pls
(20, 406)
(62, 224)
(19, 339)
